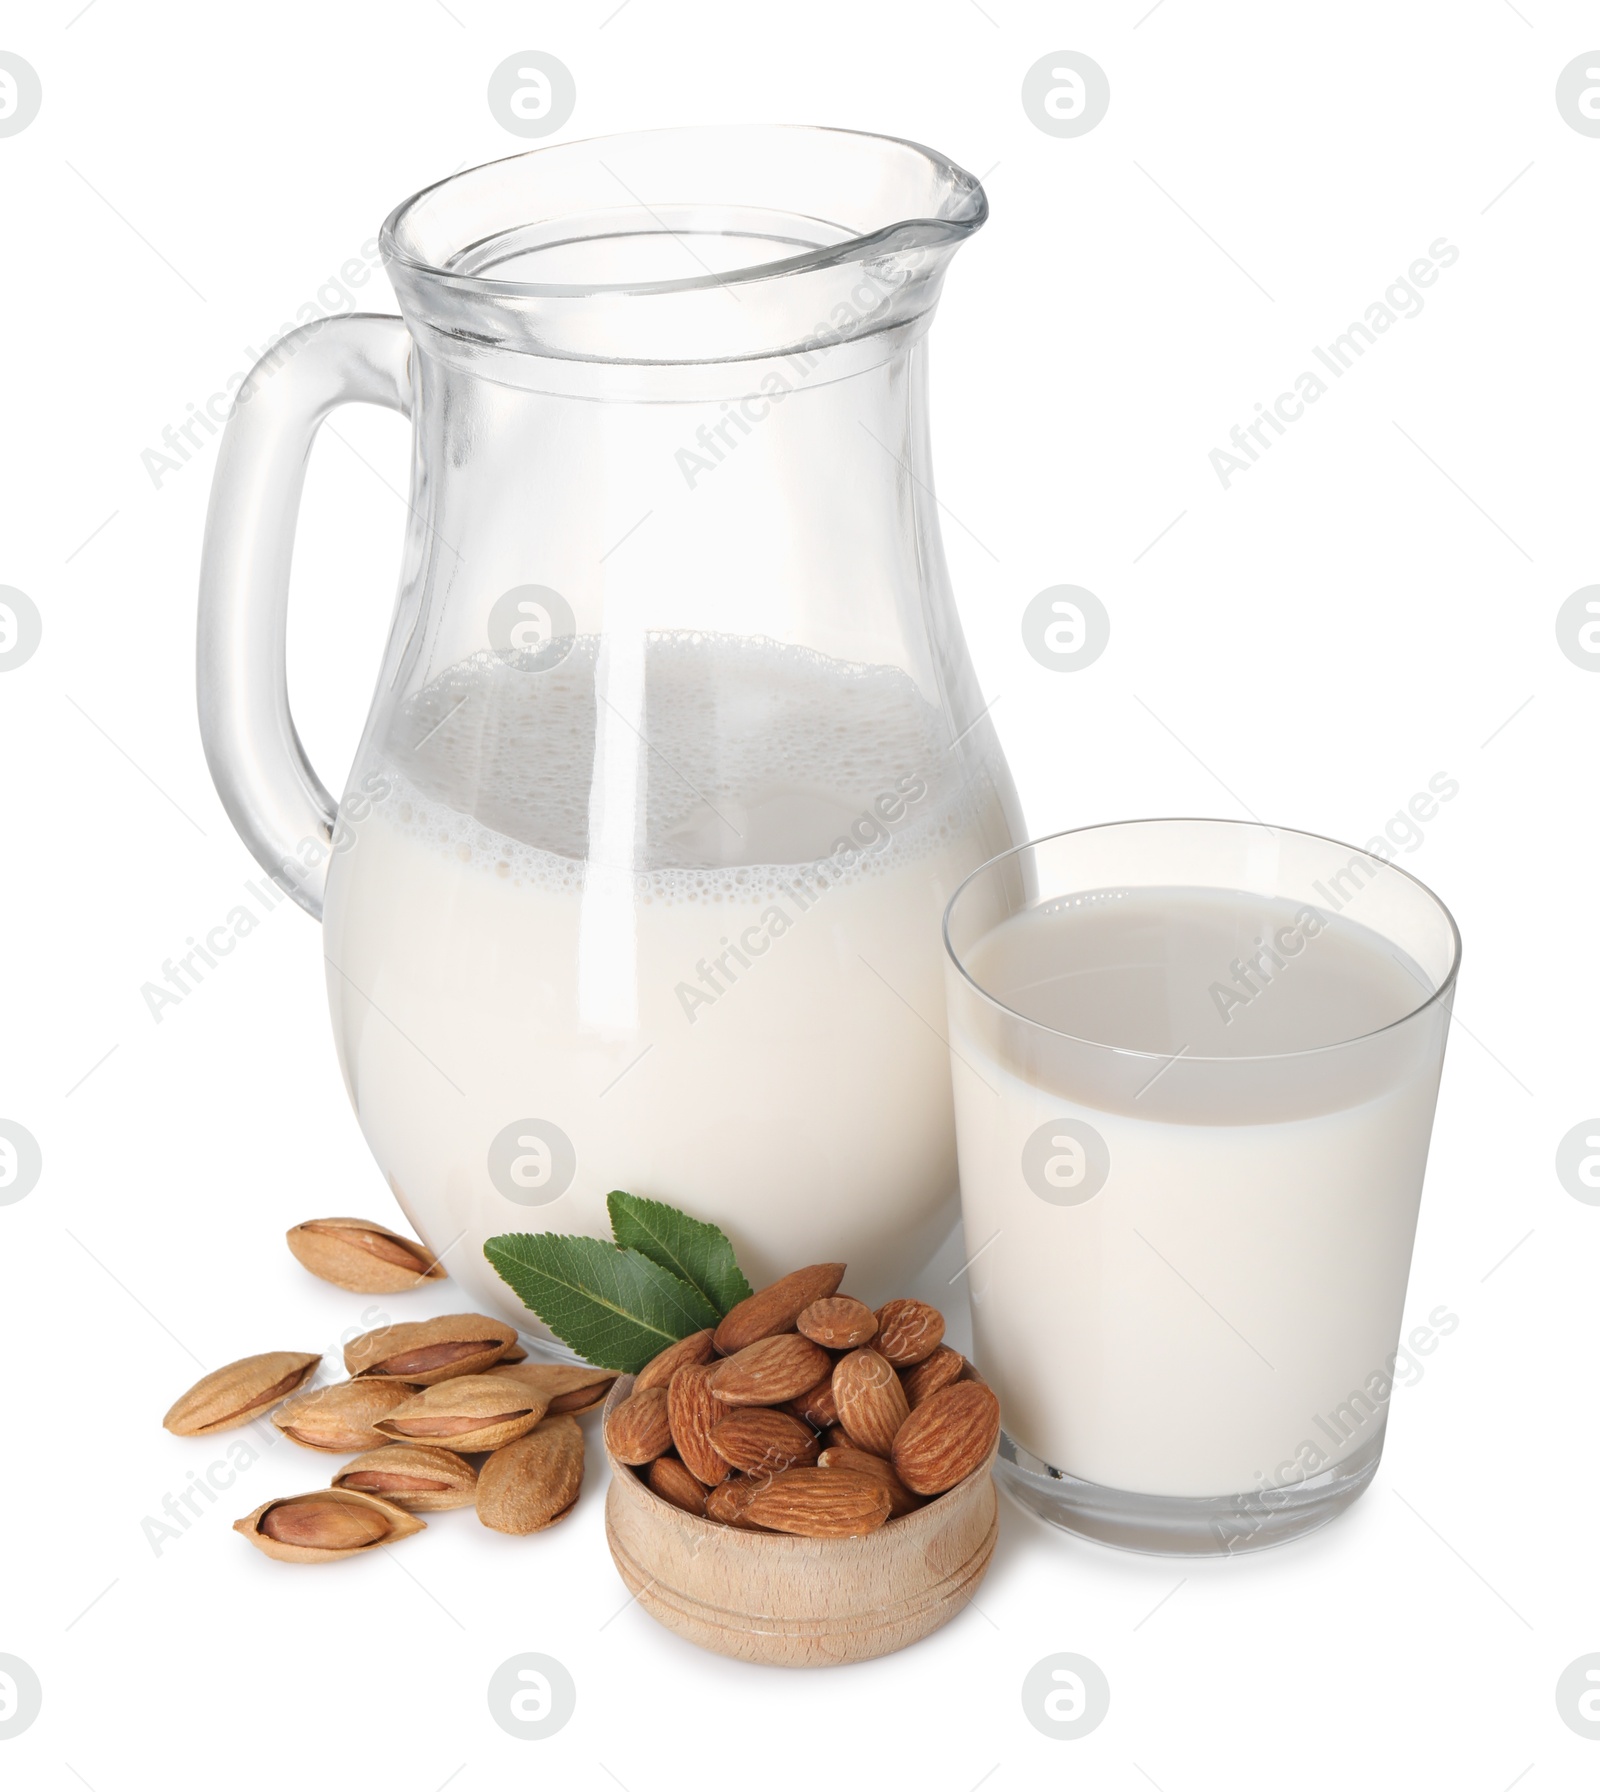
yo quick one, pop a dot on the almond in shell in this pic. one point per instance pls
(532, 1482)
(426, 1351)
(239, 1392)
(420, 1477)
(342, 1417)
(326, 1526)
(568, 1387)
(468, 1412)
(948, 1436)
(363, 1256)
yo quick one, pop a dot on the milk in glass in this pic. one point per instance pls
(1188, 1306)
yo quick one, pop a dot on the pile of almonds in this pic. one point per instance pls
(806, 1412)
(422, 1398)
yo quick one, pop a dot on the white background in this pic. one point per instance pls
(1364, 609)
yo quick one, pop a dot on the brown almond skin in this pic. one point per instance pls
(901, 1499)
(820, 1502)
(837, 1438)
(343, 1417)
(726, 1502)
(761, 1441)
(427, 1351)
(816, 1405)
(569, 1388)
(469, 1412)
(837, 1323)
(326, 1526)
(948, 1436)
(776, 1307)
(420, 1477)
(579, 1402)
(239, 1392)
(661, 1368)
(533, 1482)
(908, 1332)
(770, 1371)
(692, 1411)
(362, 1256)
(872, 1404)
(639, 1430)
(668, 1478)
(935, 1372)
(316, 1523)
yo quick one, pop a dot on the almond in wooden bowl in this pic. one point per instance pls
(790, 1600)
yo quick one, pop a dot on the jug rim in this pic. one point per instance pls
(964, 210)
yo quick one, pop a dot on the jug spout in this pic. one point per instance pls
(681, 246)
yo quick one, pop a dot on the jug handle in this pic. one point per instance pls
(279, 805)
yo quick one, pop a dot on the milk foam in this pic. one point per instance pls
(752, 759)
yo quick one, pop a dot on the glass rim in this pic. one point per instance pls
(899, 233)
(1445, 985)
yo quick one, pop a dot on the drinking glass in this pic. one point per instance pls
(1195, 1066)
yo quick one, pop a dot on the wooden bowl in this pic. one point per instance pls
(799, 1601)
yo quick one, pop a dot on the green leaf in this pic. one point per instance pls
(614, 1307)
(694, 1251)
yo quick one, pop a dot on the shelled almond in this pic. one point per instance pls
(806, 1413)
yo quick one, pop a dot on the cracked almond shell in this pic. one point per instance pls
(239, 1392)
(343, 1416)
(363, 1256)
(326, 1526)
(427, 1351)
(469, 1412)
(569, 1387)
(532, 1482)
(420, 1477)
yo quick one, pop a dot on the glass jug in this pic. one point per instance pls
(676, 753)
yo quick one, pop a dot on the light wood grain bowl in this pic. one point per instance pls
(799, 1601)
